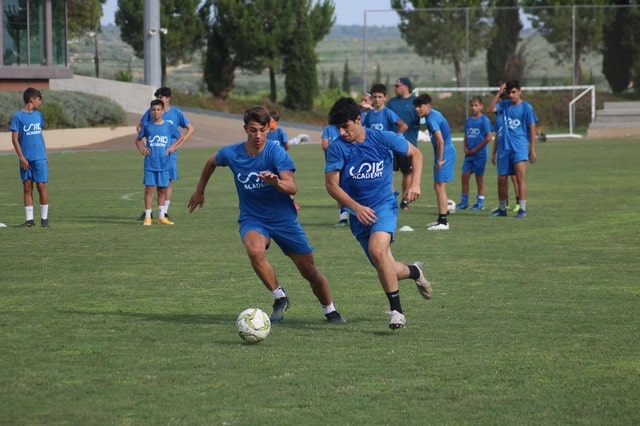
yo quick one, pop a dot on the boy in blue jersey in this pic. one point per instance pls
(263, 175)
(381, 117)
(157, 141)
(176, 117)
(444, 158)
(27, 139)
(358, 174)
(329, 134)
(402, 105)
(477, 134)
(518, 137)
(277, 134)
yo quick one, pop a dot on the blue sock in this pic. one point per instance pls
(464, 199)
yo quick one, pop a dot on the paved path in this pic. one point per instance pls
(212, 129)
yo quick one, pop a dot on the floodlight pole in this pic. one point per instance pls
(152, 30)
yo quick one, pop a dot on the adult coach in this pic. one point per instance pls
(402, 105)
(358, 174)
(263, 174)
(515, 145)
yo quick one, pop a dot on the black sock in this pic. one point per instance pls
(442, 218)
(414, 272)
(394, 301)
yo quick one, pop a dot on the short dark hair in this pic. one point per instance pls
(259, 114)
(29, 93)
(274, 114)
(423, 99)
(163, 91)
(343, 110)
(157, 102)
(512, 84)
(379, 88)
(477, 99)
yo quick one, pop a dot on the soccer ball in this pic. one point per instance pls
(451, 206)
(253, 325)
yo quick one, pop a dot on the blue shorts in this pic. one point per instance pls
(290, 237)
(173, 171)
(387, 221)
(474, 164)
(38, 172)
(506, 159)
(160, 179)
(445, 174)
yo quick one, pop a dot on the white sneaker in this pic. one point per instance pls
(429, 225)
(423, 285)
(397, 320)
(439, 227)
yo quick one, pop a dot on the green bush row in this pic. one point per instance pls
(66, 110)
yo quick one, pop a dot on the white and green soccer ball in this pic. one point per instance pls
(451, 206)
(253, 325)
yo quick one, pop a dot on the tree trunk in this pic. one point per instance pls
(273, 97)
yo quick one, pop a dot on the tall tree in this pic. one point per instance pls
(553, 19)
(185, 20)
(84, 16)
(618, 51)
(346, 78)
(503, 58)
(301, 81)
(439, 32)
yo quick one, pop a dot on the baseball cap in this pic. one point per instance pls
(404, 81)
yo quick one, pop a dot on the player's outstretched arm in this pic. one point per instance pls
(413, 192)
(197, 199)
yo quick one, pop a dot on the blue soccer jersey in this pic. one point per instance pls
(385, 119)
(174, 116)
(435, 121)
(330, 132)
(476, 131)
(406, 111)
(366, 168)
(279, 137)
(29, 126)
(259, 200)
(158, 138)
(516, 120)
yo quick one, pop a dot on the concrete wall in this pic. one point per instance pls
(132, 97)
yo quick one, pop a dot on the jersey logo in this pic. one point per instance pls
(158, 140)
(512, 123)
(251, 181)
(32, 129)
(367, 171)
(377, 126)
(473, 131)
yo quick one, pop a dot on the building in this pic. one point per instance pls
(33, 36)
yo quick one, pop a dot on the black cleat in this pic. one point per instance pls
(44, 223)
(27, 224)
(335, 318)
(279, 306)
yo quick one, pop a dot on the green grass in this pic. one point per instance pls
(535, 321)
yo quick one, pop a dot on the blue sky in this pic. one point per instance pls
(348, 12)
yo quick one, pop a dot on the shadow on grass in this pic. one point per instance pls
(178, 318)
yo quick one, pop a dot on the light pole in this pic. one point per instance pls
(96, 56)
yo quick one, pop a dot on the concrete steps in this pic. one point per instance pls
(616, 120)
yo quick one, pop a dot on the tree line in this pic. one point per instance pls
(281, 36)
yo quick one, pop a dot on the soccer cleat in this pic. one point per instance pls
(429, 225)
(521, 214)
(342, 222)
(498, 212)
(404, 205)
(397, 320)
(164, 221)
(462, 206)
(279, 306)
(141, 217)
(27, 224)
(44, 223)
(516, 209)
(147, 221)
(335, 318)
(439, 227)
(477, 206)
(423, 285)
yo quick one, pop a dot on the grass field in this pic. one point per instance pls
(535, 321)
